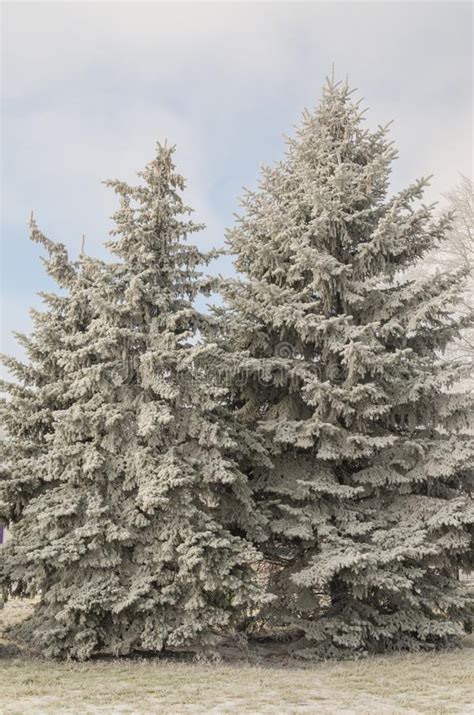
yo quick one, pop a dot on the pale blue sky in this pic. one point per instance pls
(89, 87)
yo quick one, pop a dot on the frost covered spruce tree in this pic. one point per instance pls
(36, 392)
(138, 541)
(339, 364)
(31, 495)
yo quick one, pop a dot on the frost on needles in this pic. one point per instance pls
(338, 363)
(298, 462)
(133, 526)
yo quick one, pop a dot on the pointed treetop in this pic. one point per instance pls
(151, 215)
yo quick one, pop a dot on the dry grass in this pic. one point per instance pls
(434, 684)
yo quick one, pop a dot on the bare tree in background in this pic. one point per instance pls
(461, 241)
(458, 251)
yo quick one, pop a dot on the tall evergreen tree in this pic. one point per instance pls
(143, 541)
(335, 357)
(36, 392)
(39, 392)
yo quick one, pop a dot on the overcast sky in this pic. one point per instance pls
(89, 87)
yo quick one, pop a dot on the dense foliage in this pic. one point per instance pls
(300, 459)
(342, 371)
(134, 532)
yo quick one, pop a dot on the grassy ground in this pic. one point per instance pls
(433, 683)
